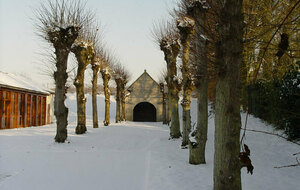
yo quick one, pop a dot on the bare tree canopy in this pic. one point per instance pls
(56, 15)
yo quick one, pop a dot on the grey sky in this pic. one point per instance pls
(127, 32)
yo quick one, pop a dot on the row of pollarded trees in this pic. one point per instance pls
(230, 44)
(208, 36)
(70, 28)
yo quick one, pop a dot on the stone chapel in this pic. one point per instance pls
(144, 100)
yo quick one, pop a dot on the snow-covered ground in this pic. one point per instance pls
(131, 156)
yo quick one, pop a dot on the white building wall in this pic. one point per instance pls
(49, 103)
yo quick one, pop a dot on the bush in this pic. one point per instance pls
(278, 102)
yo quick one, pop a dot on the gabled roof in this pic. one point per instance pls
(145, 73)
(18, 82)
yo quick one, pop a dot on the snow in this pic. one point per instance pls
(131, 156)
(185, 22)
(192, 137)
(166, 43)
(176, 41)
(106, 70)
(76, 82)
(18, 81)
(81, 43)
(204, 37)
(178, 79)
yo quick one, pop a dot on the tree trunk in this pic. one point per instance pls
(186, 125)
(168, 101)
(175, 124)
(79, 84)
(95, 69)
(171, 48)
(169, 84)
(186, 28)
(186, 102)
(62, 41)
(106, 78)
(202, 114)
(84, 57)
(123, 96)
(244, 83)
(118, 100)
(60, 110)
(118, 110)
(227, 174)
(197, 150)
(164, 104)
(123, 110)
(164, 109)
(175, 89)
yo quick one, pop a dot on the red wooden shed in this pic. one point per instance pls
(23, 102)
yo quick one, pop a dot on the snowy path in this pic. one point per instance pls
(115, 157)
(131, 156)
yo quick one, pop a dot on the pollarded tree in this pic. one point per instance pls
(84, 51)
(105, 73)
(198, 10)
(101, 63)
(59, 23)
(106, 76)
(96, 66)
(162, 86)
(164, 102)
(171, 48)
(117, 74)
(168, 41)
(121, 77)
(186, 27)
(200, 56)
(124, 80)
(229, 56)
(96, 69)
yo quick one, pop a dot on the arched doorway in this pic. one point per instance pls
(144, 111)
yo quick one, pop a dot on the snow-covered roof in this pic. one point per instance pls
(18, 82)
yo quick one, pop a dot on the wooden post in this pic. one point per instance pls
(8, 108)
(1, 108)
(44, 111)
(48, 112)
(33, 113)
(39, 111)
(22, 110)
(28, 118)
(16, 106)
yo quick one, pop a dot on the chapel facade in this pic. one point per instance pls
(144, 101)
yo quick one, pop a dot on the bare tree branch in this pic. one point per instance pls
(265, 132)
(291, 165)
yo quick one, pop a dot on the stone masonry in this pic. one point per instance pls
(144, 89)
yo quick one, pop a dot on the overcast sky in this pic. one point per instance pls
(127, 32)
